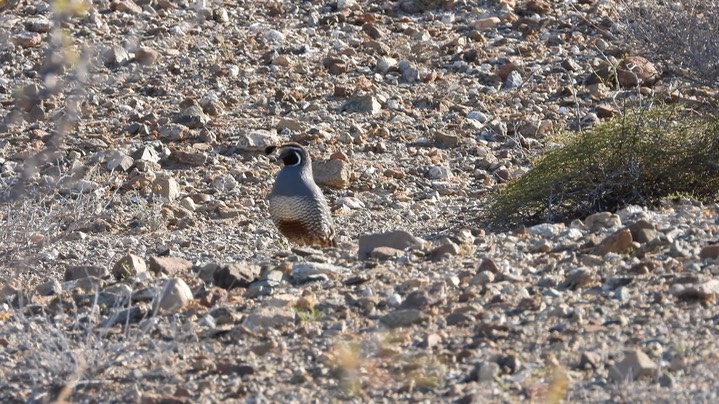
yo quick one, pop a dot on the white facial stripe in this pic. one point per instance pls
(297, 154)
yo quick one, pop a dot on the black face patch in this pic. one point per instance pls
(291, 158)
(270, 149)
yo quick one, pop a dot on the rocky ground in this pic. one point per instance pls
(138, 262)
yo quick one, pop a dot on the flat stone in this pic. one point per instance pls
(189, 157)
(83, 271)
(147, 56)
(646, 235)
(366, 103)
(706, 291)
(117, 55)
(169, 265)
(484, 24)
(26, 39)
(39, 24)
(291, 124)
(266, 318)
(445, 140)
(386, 253)
(403, 318)
(49, 288)
(398, 239)
(174, 131)
(126, 6)
(710, 251)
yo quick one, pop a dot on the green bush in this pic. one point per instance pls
(637, 158)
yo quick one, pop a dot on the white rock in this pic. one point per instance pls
(257, 140)
(273, 35)
(166, 189)
(398, 239)
(345, 4)
(174, 295)
(270, 317)
(546, 229)
(119, 161)
(225, 183)
(439, 172)
(349, 202)
(385, 64)
(477, 116)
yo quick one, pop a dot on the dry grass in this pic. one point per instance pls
(684, 34)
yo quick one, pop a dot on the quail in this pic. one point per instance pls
(297, 206)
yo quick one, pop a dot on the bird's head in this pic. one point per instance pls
(291, 154)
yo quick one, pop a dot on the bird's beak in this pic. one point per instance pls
(270, 152)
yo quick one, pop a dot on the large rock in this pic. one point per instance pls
(636, 70)
(636, 364)
(710, 251)
(332, 173)
(83, 271)
(236, 275)
(129, 265)
(166, 189)
(707, 291)
(618, 242)
(257, 140)
(366, 103)
(119, 161)
(398, 239)
(174, 295)
(193, 117)
(270, 317)
(403, 318)
(169, 265)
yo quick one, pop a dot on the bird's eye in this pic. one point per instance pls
(293, 158)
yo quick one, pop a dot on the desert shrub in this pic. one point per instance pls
(637, 158)
(684, 34)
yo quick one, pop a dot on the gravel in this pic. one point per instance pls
(140, 263)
